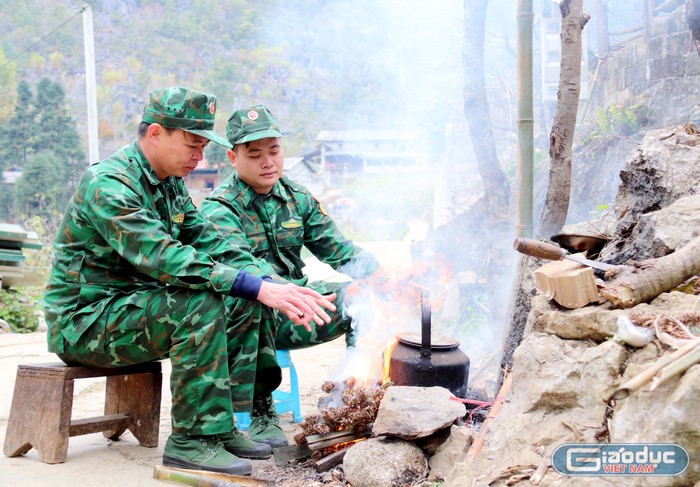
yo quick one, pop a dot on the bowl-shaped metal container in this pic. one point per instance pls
(581, 243)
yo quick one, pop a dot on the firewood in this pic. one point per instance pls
(319, 442)
(358, 410)
(642, 281)
(570, 284)
(328, 462)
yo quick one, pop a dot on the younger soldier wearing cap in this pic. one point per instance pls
(138, 275)
(273, 218)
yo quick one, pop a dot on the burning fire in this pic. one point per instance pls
(380, 312)
(386, 378)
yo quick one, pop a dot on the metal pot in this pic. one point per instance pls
(425, 361)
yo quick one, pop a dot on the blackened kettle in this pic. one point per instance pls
(424, 360)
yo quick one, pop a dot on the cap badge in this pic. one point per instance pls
(253, 115)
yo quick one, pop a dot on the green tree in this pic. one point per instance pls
(7, 80)
(41, 189)
(17, 134)
(56, 130)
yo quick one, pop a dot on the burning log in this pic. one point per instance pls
(328, 462)
(321, 442)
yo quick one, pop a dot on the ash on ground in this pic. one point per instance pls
(294, 474)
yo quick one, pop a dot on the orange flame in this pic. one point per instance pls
(387, 362)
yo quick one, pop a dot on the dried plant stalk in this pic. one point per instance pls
(677, 367)
(479, 442)
(647, 374)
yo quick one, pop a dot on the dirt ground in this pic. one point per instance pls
(95, 461)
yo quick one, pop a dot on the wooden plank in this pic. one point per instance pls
(329, 461)
(11, 231)
(11, 255)
(30, 242)
(319, 442)
(61, 371)
(99, 423)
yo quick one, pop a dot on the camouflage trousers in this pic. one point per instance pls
(292, 337)
(221, 350)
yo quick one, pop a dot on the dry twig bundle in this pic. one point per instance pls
(358, 410)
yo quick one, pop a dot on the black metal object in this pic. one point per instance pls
(427, 360)
(580, 243)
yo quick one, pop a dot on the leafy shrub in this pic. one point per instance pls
(19, 310)
(616, 120)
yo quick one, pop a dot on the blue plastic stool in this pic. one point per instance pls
(285, 401)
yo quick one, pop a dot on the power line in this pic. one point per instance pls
(79, 12)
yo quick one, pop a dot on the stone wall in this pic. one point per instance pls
(665, 71)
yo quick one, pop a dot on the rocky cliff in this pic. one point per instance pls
(570, 362)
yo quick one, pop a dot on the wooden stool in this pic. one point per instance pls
(42, 404)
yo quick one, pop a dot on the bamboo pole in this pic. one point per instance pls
(479, 442)
(648, 374)
(203, 478)
(676, 367)
(525, 122)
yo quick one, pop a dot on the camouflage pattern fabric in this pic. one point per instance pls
(250, 124)
(138, 274)
(274, 228)
(180, 108)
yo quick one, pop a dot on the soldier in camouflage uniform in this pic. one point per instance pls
(138, 275)
(273, 218)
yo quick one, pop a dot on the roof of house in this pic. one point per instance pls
(342, 135)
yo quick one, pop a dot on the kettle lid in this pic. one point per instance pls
(438, 342)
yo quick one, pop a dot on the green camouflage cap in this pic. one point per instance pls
(250, 124)
(181, 108)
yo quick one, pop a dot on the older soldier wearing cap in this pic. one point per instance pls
(138, 275)
(274, 218)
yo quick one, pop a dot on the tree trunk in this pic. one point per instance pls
(561, 138)
(643, 281)
(476, 112)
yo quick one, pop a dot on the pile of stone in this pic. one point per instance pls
(415, 437)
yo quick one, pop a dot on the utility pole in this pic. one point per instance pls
(90, 85)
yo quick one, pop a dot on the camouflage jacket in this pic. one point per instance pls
(124, 229)
(275, 227)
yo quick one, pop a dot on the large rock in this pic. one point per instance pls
(599, 323)
(453, 451)
(669, 228)
(409, 412)
(556, 397)
(669, 414)
(384, 462)
(665, 168)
